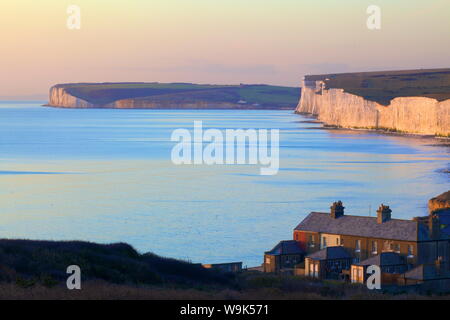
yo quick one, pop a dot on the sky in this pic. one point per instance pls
(213, 41)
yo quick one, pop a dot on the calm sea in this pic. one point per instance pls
(106, 176)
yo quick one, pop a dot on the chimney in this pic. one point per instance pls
(383, 214)
(435, 226)
(337, 210)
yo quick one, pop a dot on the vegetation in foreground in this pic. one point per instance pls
(37, 270)
(383, 86)
(28, 263)
(251, 286)
(264, 96)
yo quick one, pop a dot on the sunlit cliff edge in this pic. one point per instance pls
(442, 201)
(425, 112)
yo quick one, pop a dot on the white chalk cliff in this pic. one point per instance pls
(59, 97)
(417, 115)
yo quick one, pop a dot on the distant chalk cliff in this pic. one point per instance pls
(59, 97)
(140, 95)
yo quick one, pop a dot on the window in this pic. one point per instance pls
(324, 242)
(316, 270)
(355, 275)
(311, 240)
(394, 247)
(358, 246)
(267, 260)
(374, 247)
(410, 251)
(337, 241)
(313, 270)
(342, 241)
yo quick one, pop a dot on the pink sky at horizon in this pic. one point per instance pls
(204, 41)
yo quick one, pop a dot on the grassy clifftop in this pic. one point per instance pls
(262, 96)
(383, 86)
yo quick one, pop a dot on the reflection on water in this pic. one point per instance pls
(106, 175)
(29, 172)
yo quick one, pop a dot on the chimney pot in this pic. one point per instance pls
(337, 210)
(383, 214)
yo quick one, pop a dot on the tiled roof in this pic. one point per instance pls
(394, 229)
(330, 253)
(384, 259)
(417, 273)
(428, 272)
(286, 247)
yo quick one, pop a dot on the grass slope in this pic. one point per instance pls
(383, 86)
(29, 262)
(264, 95)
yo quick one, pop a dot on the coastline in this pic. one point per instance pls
(345, 101)
(175, 108)
(325, 126)
(173, 96)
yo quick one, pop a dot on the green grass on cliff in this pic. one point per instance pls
(255, 96)
(383, 86)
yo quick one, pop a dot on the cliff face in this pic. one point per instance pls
(58, 97)
(419, 115)
(171, 96)
(440, 202)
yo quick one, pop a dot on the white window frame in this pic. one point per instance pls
(374, 247)
(410, 252)
(324, 242)
(311, 241)
(358, 246)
